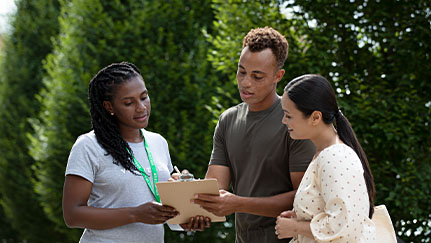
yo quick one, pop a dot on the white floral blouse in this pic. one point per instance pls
(333, 197)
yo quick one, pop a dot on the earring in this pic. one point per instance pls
(112, 113)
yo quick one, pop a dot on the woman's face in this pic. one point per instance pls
(130, 104)
(298, 126)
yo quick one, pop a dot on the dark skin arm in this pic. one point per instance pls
(228, 203)
(77, 214)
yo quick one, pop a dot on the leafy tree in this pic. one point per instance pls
(6, 230)
(7, 233)
(377, 55)
(378, 62)
(20, 79)
(165, 41)
(234, 19)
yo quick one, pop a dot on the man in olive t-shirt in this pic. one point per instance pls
(252, 150)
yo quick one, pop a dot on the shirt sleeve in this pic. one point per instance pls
(301, 153)
(342, 187)
(83, 160)
(219, 154)
(168, 156)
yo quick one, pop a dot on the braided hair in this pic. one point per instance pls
(312, 92)
(102, 87)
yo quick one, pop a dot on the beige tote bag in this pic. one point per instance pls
(384, 229)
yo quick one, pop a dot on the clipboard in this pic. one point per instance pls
(178, 194)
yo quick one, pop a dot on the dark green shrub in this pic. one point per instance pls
(164, 39)
(21, 70)
(377, 55)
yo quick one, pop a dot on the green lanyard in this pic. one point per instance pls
(153, 170)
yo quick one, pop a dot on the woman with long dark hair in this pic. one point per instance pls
(334, 202)
(112, 170)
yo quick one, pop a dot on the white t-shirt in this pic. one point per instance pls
(115, 187)
(333, 196)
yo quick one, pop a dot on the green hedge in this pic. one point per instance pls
(376, 54)
(378, 61)
(21, 73)
(164, 40)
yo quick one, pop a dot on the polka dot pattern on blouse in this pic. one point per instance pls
(333, 197)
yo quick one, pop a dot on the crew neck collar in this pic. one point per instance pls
(268, 110)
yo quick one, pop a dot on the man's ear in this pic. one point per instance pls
(108, 107)
(279, 75)
(316, 117)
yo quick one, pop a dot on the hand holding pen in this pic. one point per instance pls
(197, 223)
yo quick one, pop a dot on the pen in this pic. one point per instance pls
(177, 170)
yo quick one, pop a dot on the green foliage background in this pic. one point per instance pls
(187, 51)
(34, 24)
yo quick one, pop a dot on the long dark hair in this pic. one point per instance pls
(101, 88)
(312, 92)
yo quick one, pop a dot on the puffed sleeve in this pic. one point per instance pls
(343, 189)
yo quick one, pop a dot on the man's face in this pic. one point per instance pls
(257, 78)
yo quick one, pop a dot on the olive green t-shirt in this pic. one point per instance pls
(257, 148)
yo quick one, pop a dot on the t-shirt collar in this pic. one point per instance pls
(267, 111)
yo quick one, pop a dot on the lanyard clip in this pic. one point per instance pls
(186, 176)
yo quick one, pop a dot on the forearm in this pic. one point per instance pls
(228, 203)
(265, 206)
(99, 218)
(77, 214)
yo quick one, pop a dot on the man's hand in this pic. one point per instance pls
(220, 205)
(197, 223)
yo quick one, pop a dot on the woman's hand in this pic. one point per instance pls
(197, 223)
(288, 214)
(286, 225)
(154, 213)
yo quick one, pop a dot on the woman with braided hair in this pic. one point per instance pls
(334, 202)
(111, 173)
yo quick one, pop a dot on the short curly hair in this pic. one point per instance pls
(261, 38)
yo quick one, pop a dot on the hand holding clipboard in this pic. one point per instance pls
(178, 194)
